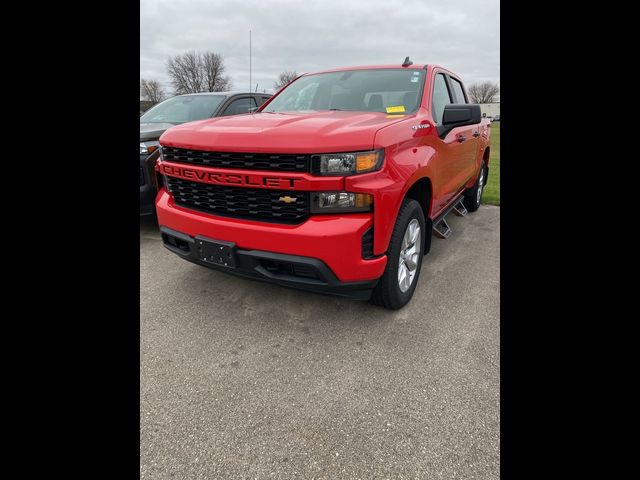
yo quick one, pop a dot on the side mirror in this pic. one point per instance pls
(459, 115)
(253, 109)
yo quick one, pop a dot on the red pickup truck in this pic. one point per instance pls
(333, 185)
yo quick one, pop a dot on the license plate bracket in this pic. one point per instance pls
(217, 252)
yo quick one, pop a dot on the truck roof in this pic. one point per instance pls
(378, 67)
(370, 67)
(227, 93)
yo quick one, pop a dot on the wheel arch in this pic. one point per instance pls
(485, 161)
(421, 191)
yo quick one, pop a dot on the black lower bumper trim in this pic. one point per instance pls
(303, 273)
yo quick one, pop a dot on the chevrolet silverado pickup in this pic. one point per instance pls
(333, 185)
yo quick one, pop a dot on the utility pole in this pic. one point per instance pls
(250, 83)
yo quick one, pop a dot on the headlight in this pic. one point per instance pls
(347, 163)
(147, 148)
(340, 202)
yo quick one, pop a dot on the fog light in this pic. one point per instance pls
(330, 202)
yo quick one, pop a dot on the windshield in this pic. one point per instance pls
(382, 90)
(183, 109)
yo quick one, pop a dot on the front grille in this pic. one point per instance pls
(249, 161)
(256, 204)
(315, 164)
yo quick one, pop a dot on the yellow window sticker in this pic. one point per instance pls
(397, 109)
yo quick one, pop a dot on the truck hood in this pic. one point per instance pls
(290, 132)
(152, 131)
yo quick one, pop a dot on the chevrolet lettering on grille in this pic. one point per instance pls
(235, 179)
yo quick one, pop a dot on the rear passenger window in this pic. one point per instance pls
(441, 98)
(458, 91)
(241, 105)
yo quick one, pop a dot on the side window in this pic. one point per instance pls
(441, 97)
(240, 105)
(264, 99)
(458, 91)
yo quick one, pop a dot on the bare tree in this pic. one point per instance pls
(483, 92)
(185, 73)
(194, 72)
(284, 78)
(152, 90)
(214, 68)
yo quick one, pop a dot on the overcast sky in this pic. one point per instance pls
(311, 35)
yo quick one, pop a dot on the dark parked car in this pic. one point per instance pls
(177, 110)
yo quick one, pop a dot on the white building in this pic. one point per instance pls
(490, 109)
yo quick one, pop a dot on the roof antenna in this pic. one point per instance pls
(407, 62)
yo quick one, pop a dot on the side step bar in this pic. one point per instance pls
(460, 210)
(441, 228)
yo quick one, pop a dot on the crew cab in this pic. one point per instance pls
(178, 110)
(333, 185)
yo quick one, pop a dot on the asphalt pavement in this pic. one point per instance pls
(243, 379)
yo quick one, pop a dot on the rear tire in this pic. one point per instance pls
(473, 197)
(398, 282)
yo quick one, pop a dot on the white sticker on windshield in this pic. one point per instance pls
(414, 80)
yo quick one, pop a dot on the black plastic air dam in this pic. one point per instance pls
(293, 271)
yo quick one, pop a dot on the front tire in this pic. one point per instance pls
(404, 258)
(473, 197)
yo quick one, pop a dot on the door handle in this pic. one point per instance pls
(461, 138)
(476, 134)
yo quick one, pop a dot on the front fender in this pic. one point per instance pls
(389, 186)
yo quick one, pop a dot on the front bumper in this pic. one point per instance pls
(147, 196)
(303, 273)
(334, 240)
(147, 188)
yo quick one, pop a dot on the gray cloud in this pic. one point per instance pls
(312, 35)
